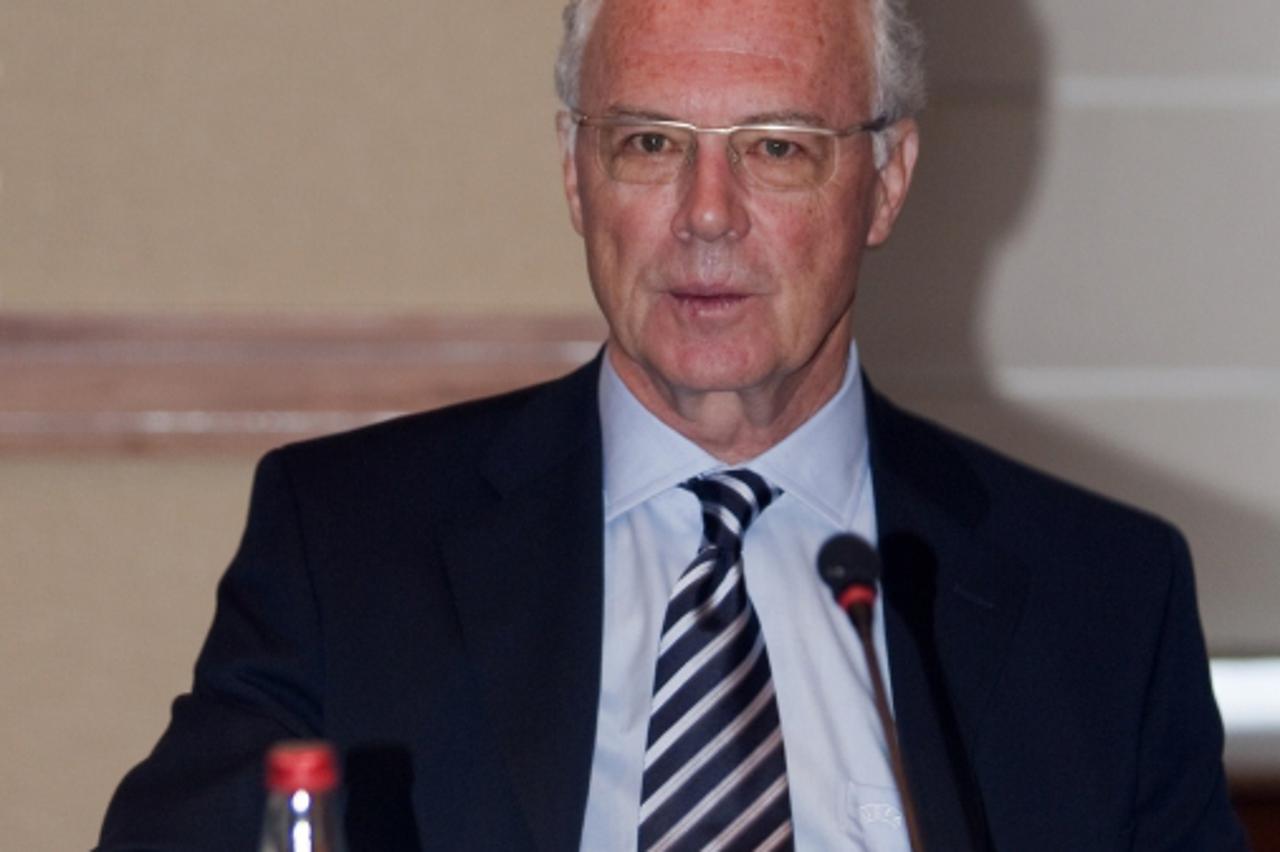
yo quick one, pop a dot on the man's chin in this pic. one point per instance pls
(693, 367)
(705, 378)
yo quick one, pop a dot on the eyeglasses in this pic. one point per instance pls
(771, 156)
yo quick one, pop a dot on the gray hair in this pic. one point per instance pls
(898, 48)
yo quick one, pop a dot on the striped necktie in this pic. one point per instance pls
(714, 770)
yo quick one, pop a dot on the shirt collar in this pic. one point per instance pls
(642, 455)
(823, 463)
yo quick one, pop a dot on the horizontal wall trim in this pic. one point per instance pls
(1151, 92)
(186, 422)
(165, 383)
(1190, 384)
(1248, 693)
(1126, 92)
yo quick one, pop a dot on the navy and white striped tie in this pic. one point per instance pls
(714, 771)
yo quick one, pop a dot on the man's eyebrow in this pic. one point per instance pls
(624, 111)
(797, 117)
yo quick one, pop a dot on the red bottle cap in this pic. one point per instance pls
(302, 765)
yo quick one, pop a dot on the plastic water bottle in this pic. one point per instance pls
(302, 778)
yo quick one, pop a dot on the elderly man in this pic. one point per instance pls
(585, 615)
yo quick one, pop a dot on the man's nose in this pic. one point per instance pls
(712, 203)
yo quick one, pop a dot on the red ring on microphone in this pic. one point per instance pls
(856, 594)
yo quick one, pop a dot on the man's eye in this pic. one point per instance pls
(649, 143)
(780, 149)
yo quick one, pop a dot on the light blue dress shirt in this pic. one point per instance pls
(841, 786)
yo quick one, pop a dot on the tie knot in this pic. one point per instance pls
(731, 500)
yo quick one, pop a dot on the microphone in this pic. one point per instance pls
(851, 567)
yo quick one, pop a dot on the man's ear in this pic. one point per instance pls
(894, 179)
(566, 130)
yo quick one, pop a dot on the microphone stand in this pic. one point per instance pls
(860, 615)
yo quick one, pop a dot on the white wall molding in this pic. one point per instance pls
(1172, 92)
(1070, 383)
(1248, 693)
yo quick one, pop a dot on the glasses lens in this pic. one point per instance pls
(784, 159)
(642, 153)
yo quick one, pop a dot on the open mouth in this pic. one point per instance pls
(709, 301)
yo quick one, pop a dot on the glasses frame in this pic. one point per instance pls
(582, 119)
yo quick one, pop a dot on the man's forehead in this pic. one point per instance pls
(745, 25)
(822, 44)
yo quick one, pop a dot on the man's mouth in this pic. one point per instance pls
(708, 297)
(710, 300)
(709, 306)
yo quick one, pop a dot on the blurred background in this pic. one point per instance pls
(227, 225)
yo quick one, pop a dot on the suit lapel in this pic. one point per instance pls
(526, 570)
(952, 600)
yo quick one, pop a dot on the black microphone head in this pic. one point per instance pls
(848, 560)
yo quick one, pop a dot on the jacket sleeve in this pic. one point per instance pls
(1182, 800)
(257, 681)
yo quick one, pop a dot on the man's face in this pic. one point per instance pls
(709, 284)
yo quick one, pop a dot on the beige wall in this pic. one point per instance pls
(109, 569)
(165, 154)
(1086, 274)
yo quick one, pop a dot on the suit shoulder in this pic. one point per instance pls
(437, 442)
(459, 425)
(1028, 506)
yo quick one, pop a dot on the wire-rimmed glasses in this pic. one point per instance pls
(642, 150)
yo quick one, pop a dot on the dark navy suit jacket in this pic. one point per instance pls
(427, 593)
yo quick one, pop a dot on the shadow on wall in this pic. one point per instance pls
(920, 310)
